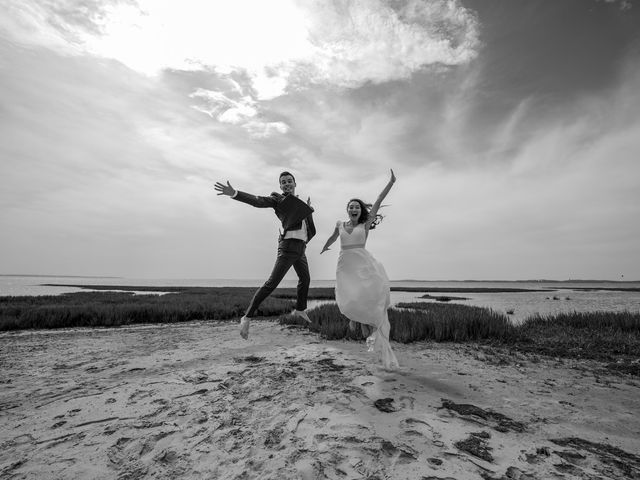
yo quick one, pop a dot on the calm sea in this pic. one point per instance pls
(551, 297)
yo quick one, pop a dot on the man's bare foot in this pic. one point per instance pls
(302, 314)
(244, 327)
(352, 325)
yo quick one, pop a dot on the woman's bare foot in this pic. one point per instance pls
(371, 342)
(244, 327)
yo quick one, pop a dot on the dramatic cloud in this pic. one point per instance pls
(624, 4)
(277, 46)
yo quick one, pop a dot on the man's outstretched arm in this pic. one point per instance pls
(253, 200)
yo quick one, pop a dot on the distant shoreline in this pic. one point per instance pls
(516, 281)
(169, 288)
(53, 276)
(31, 275)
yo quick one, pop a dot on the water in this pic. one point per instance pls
(523, 304)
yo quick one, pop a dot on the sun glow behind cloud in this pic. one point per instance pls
(266, 48)
(339, 43)
(196, 34)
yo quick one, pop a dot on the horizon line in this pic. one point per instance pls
(593, 280)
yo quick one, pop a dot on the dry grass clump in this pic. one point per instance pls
(601, 335)
(111, 309)
(607, 336)
(440, 323)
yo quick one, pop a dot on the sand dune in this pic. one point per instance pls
(197, 401)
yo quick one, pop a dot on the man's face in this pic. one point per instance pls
(287, 184)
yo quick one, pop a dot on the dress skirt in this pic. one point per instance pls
(363, 295)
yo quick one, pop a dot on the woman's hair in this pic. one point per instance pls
(364, 213)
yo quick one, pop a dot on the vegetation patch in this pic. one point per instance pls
(469, 289)
(610, 337)
(442, 298)
(627, 464)
(500, 422)
(113, 309)
(476, 446)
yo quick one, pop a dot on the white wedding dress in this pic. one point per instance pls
(362, 290)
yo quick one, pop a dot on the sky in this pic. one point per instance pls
(513, 127)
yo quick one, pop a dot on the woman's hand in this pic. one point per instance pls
(324, 249)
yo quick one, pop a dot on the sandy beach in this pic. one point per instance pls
(196, 401)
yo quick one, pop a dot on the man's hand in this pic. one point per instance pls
(223, 189)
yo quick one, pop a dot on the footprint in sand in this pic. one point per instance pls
(399, 454)
(385, 405)
(321, 422)
(195, 377)
(418, 427)
(274, 436)
(406, 401)
(139, 395)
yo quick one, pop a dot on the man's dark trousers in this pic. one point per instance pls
(291, 253)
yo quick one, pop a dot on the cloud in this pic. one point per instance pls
(278, 47)
(266, 129)
(100, 165)
(219, 106)
(624, 4)
(242, 112)
(562, 206)
(56, 24)
(371, 41)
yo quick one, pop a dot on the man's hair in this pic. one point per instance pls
(284, 174)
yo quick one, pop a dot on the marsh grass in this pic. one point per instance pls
(441, 323)
(447, 323)
(319, 293)
(600, 335)
(606, 336)
(111, 309)
(327, 321)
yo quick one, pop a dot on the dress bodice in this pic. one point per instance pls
(357, 237)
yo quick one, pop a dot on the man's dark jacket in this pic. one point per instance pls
(274, 201)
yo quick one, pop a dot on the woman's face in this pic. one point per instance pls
(354, 211)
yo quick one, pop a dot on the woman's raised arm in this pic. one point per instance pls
(381, 197)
